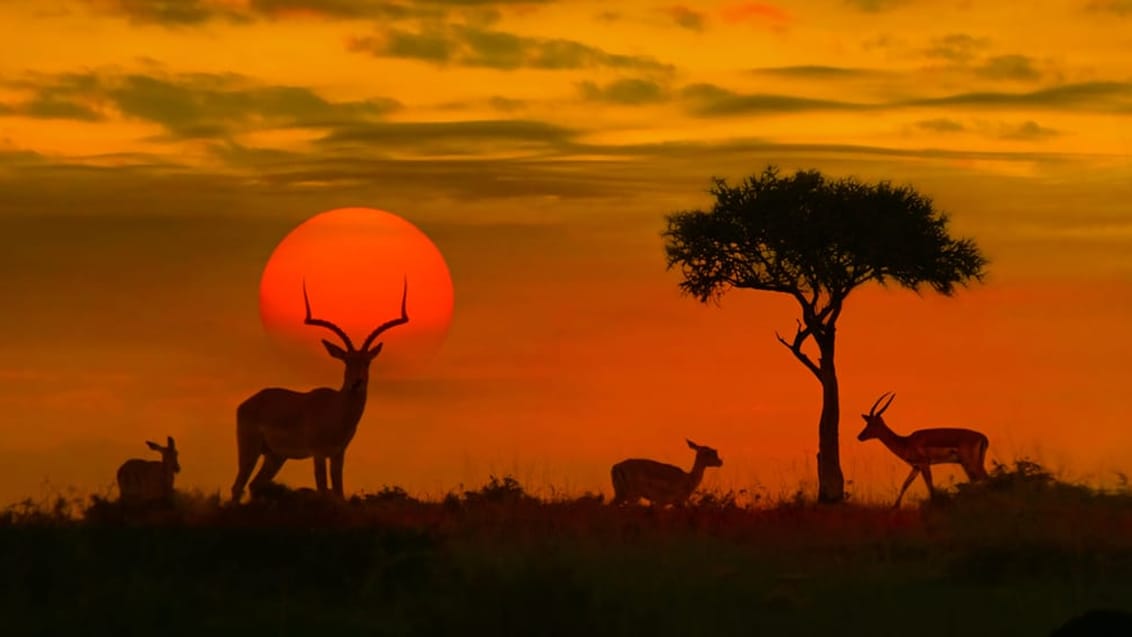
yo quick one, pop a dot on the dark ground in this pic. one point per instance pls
(1019, 555)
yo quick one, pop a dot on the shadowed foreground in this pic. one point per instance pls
(1018, 555)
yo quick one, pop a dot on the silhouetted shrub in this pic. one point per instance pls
(387, 494)
(505, 490)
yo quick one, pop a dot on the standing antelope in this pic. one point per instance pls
(282, 424)
(926, 447)
(660, 483)
(141, 481)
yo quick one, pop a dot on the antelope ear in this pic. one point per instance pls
(373, 352)
(153, 445)
(334, 350)
(172, 445)
(692, 445)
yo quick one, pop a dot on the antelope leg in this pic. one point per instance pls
(908, 481)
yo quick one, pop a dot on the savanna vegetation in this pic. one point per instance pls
(1017, 554)
(817, 239)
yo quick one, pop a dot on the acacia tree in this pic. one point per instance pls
(817, 240)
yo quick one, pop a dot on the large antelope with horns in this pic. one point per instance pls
(142, 481)
(926, 447)
(283, 424)
(660, 483)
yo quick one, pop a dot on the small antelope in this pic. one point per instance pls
(660, 483)
(141, 481)
(926, 447)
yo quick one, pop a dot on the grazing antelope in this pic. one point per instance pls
(141, 481)
(282, 424)
(660, 483)
(926, 447)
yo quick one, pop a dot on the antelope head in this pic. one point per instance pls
(356, 359)
(168, 454)
(705, 456)
(874, 424)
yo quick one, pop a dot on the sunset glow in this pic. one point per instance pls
(154, 156)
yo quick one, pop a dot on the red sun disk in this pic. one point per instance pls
(354, 262)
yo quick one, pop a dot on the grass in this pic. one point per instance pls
(1016, 555)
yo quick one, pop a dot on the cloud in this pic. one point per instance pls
(941, 125)
(172, 13)
(454, 137)
(1026, 131)
(875, 6)
(1092, 96)
(1008, 67)
(815, 72)
(270, 181)
(625, 91)
(465, 45)
(956, 47)
(758, 14)
(709, 100)
(686, 17)
(192, 105)
(1119, 7)
(506, 104)
(181, 13)
(47, 106)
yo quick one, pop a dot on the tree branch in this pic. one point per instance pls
(796, 348)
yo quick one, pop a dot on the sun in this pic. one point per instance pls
(355, 262)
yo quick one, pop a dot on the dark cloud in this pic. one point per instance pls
(1027, 131)
(956, 47)
(1008, 67)
(625, 91)
(51, 107)
(345, 9)
(465, 45)
(709, 100)
(193, 105)
(941, 125)
(377, 163)
(172, 13)
(1093, 96)
(466, 137)
(179, 13)
(1119, 7)
(816, 72)
(18, 158)
(875, 6)
(686, 17)
(506, 104)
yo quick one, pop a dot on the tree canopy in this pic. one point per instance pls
(816, 239)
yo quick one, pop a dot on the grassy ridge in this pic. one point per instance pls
(1015, 556)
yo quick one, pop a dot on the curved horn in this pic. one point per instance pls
(873, 409)
(401, 320)
(886, 404)
(321, 323)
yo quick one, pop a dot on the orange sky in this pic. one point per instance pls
(153, 154)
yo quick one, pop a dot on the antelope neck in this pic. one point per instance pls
(890, 438)
(697, 473)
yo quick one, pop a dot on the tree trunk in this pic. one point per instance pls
(831, 483)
